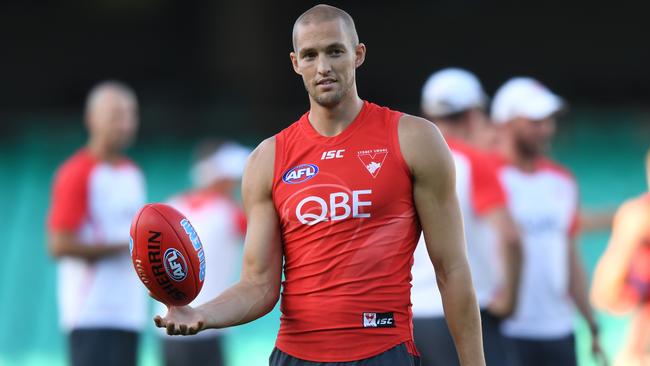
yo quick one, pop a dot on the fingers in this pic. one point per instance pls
(177, 329)
(195, 329)
(171, 328)
(159, 321)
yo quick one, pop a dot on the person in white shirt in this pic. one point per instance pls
(220, 222)
(543, 199)
(454, 100)
(96, 193)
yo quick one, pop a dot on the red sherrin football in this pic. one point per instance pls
(167, 254)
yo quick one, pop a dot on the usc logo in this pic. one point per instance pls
(337, 207)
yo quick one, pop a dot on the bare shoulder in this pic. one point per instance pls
(258, 175)
(422, 144)
(264, 153)
(634, 212)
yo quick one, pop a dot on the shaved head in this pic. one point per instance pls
(103, 89)
(325, 13)
(112, 115)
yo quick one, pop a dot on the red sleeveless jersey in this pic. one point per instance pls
(349, 229)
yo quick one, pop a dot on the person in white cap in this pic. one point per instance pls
(454, 100)
(214, 212)
(543, 199)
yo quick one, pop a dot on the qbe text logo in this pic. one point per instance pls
(313, 209)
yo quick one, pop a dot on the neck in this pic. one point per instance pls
(331, 121)
(102, 152)
(515, 157)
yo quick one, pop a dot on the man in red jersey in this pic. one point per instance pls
(621, 282)
(341, 196)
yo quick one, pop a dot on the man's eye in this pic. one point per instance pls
(336, 52)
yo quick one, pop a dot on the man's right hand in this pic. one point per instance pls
(181, 320)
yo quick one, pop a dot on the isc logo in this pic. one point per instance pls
(333, 154)
(300, 173)
(175, 265)
(378, 320)
(313, 209)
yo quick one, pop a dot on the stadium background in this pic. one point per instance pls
(221, 69)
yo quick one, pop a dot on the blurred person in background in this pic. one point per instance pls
(215, 213)
(621, 283)
(335, 202)
(543, 199)
(455, 101)
(95, 195)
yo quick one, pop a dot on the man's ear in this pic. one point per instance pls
(360, 54)
(294, 62)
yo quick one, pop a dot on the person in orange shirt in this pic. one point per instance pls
(621, 283)
(336, 202)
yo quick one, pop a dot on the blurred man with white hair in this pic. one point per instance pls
(455, 101)
(216, 215)
(543, 199)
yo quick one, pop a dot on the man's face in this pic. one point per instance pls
(533, 138)
(113, 119)
(326, 59)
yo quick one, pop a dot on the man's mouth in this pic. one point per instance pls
(326, 82)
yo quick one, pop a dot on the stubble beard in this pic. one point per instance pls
(329, 99)
(527, 149)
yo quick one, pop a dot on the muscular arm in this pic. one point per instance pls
(434, 193)
(258, 289)
(505, 302)
(66, 244)
(630, 224)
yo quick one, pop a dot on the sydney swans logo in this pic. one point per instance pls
(373, 160)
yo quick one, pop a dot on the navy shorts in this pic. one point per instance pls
(103, 347)
(436, 346)
(396, 356)
(200, 351)
(552, 352)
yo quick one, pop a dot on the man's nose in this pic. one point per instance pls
(324, 66)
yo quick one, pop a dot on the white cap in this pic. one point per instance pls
(450, 91)
(227, 162)
(524, 97)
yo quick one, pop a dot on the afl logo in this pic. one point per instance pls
(300, 173)
(175, 265)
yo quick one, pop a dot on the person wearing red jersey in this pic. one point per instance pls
(214, 212)
(455, 101)
(95, 195)
(340, 197)
(621, 282)
(543, 199)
